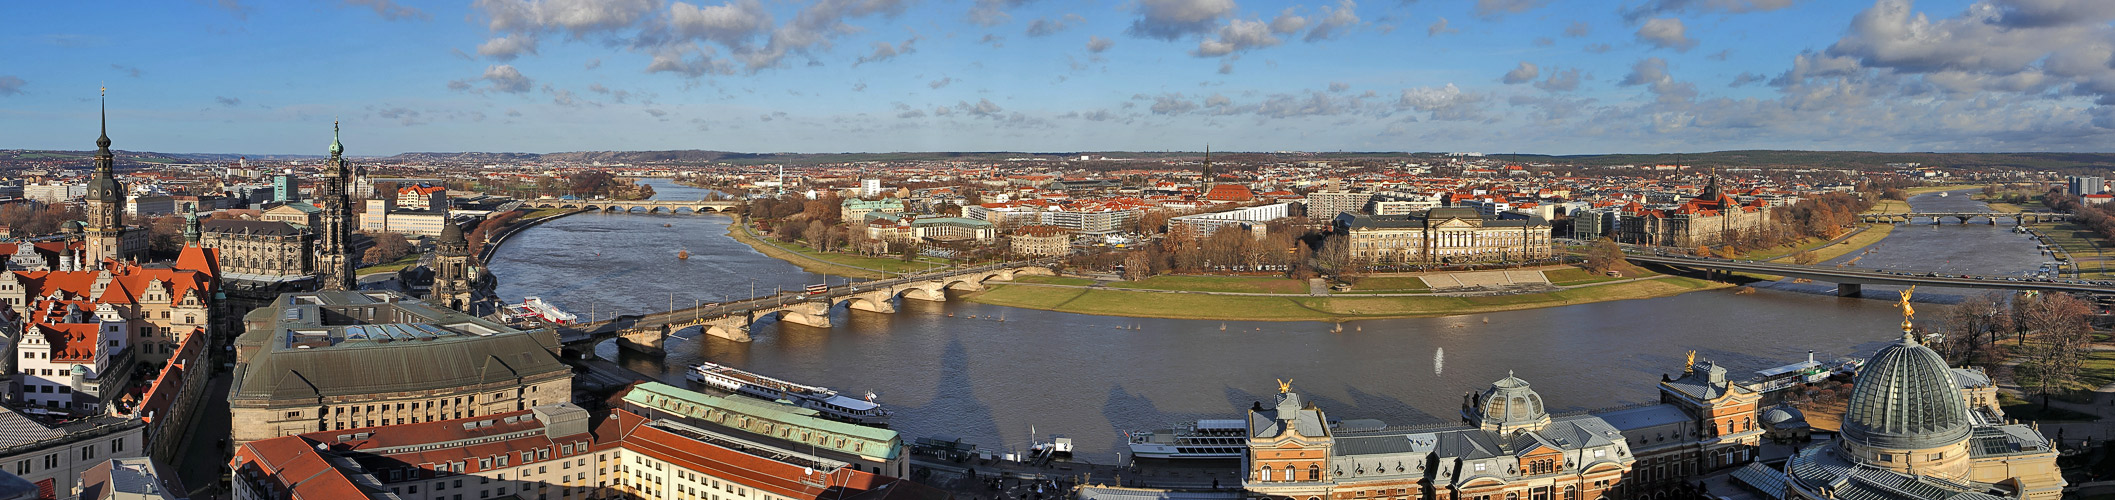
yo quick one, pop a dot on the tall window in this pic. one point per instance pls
(1314, 472)
(1266, 473)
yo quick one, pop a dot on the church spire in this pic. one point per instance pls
(336, 148)
(102, 144)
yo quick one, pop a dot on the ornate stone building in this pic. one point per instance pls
(262, 248)
(334, 360)
(457, 277)
(1704, 422)
(1908, 433)
(1443, 235)
(334, 248)
(1709, 219)
(1511, 449)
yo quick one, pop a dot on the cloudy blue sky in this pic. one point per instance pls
(1497, 76)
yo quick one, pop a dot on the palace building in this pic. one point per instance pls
(331, 360)
(1712, 218)
(1908, 433)
(1510, 449)
(1444, 235)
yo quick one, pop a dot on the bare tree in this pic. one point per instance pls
(2056, 325)
(1977, 323)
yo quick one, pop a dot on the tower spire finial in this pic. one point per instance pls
(102, 143)
(336, 148)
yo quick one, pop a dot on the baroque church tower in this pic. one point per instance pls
(455, 272)
(105, 234)
(334, 257)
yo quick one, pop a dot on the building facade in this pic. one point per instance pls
(54, 457)
(1508, 449)
(1712, 218)
(1327, 204)
(1041, 241)
(257, 247)
(550, 452)
(1444, 235)
(332, 360)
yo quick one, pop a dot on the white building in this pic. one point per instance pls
(64, 354)
(141, 205)
(1251, 218)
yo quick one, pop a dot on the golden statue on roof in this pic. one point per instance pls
(1689, 365)
(1284, 386)
(1908, 312)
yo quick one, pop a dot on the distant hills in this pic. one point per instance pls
(1746, 158)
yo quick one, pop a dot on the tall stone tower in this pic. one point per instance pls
(334, 257)
(105, 234)
(455, 271)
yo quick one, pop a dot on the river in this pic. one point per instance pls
(1091, 377)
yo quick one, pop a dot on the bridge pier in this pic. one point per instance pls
(649, 341)
(936, 293)
(1849, 289)
(878, 301)
(815, 314)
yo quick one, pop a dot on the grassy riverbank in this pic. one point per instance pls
(808, 262)
(1114, 302)
(2086, 248)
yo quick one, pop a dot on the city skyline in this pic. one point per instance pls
(1495, 76)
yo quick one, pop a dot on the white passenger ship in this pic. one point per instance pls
(1215, 439)
(821, 399)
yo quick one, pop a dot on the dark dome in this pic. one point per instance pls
(1905, 398)
(106, 189)
(1782, 415)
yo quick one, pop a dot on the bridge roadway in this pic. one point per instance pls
(1990, 217)
(1850, 281)
(647, 332)
(650, 206)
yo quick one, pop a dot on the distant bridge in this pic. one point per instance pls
(643, 206)
(732, 320)
(1849, 281)
(1964, 217)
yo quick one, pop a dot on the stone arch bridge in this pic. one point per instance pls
(645, 206)
(647, 332)
(1964, 217)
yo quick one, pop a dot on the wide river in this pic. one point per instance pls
(1091, 377)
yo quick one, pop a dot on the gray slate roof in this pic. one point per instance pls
(339, 362)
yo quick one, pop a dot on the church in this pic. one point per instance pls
(1908, 433)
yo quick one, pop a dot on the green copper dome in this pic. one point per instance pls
(336, 148)
(1905, 398)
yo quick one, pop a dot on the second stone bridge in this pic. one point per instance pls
(646, 333)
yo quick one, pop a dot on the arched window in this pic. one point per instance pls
(1571, 492)
(1266, 473)
(1289, 473)
(1314, 472)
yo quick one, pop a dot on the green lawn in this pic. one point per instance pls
(1054, 280)
(1255, 308)
(885, 264)
(1873, 234)
(1237, 284)
(1577, 276)
(2095, 371)
(1889, 207)
(1390, 284)
(2032, 410)
(2080, 243)
(401, 263)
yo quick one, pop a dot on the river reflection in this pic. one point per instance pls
(1091, 377)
